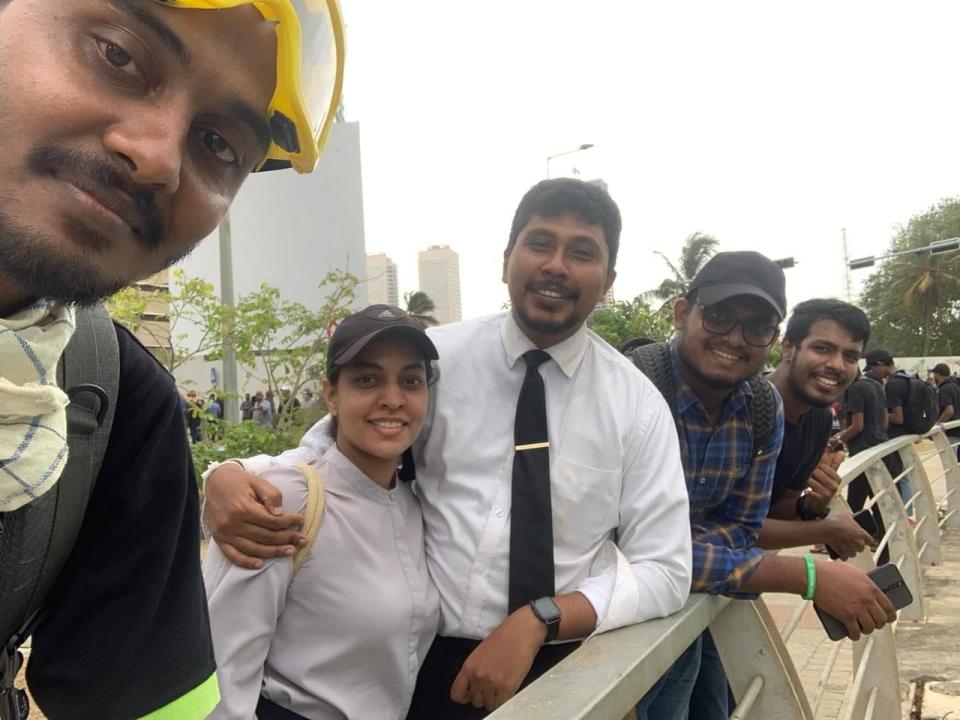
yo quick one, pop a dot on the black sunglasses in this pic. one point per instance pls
(718, 320)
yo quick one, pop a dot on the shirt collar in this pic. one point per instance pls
(567, 353)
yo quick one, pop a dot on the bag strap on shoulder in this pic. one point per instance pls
(312, 514)
(39, 537)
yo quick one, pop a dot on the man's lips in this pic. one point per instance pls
(553, 292)
(727, 354)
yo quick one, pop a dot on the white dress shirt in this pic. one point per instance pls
(615, 473)
(346, 636)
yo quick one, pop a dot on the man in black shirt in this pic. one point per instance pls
(948, 392)
(821, 350)
(127, 129)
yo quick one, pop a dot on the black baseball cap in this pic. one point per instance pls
(355, 331)
(728, 274)
(878, 357)
(940, 369)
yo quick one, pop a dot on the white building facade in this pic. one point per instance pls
(381, 280)
(439, 275)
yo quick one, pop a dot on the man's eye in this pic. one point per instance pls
(118, 57)
(413, 382)
(217, 144)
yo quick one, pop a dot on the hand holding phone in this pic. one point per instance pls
(847, 540)
(846, 607)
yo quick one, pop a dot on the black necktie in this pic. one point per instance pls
(531, 516)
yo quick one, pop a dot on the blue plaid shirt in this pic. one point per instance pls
(729, 482)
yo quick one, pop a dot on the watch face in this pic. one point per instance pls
(546, 609)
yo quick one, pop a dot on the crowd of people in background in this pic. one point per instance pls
(261, 407)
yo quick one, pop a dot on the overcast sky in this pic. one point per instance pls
(769, 125)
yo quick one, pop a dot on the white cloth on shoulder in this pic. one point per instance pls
(33, 408)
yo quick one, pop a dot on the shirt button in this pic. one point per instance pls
(390, 495)
(703, 481)
(499, 512)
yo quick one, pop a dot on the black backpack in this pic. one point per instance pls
(653, 359)
(36, 540)
(922, 408)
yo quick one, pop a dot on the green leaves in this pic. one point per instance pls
(913, 300)
(625, 320)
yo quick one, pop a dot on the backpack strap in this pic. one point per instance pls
(763, 412)
(653, 360)
(312, 514)
(38, 538)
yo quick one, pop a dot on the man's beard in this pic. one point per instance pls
(799, 389)
(710, 382)
(546, 327)
(31, 261)
(35, 262)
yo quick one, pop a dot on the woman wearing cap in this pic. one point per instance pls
(345, 634)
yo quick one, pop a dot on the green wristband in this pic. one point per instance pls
(811, 578)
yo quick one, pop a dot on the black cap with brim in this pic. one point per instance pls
(719, 293)
(940, 369)
(745, 272)
(357, 331)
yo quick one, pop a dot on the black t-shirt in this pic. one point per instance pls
(897, 390)
(949, 394)
(127, 630)
(803, 444)
(866, 396)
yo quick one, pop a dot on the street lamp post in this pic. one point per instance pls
(585, 146)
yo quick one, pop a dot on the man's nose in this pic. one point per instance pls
(150, 144)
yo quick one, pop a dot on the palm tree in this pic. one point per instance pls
(698, 248)
(419, 306)
(924, 279)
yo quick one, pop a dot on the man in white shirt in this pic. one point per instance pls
(614, 470)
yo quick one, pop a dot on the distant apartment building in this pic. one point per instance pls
(382, 285)
(439, 268)
(153, 326)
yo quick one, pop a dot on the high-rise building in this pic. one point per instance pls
(440, 279)
(382, 280)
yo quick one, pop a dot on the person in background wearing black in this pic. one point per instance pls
(867, 425)
(948, 391)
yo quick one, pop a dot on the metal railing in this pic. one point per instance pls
(609, 673)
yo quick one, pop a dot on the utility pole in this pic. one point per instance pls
(846, 267)
(231, 399)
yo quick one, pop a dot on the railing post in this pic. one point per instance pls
(750, 646)
(927, 529)
(902, 545)
(875, 667)
(951, 469)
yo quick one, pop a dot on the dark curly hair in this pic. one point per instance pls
(850, 317)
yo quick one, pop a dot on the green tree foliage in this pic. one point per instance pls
(697, 249)
(419, 307)
(913, 301)
(188, 301)
(285, 342)
(625, 320)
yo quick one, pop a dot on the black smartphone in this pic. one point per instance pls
(864, 519)
(889, 580)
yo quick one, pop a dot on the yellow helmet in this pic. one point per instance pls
(310, 49)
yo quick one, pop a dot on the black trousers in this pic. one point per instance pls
(269, 710)
(431, 699)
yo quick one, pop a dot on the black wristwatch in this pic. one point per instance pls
(807, 514)
(549, 613)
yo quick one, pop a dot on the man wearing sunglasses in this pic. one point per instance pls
(128, 128)
(725, 326)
